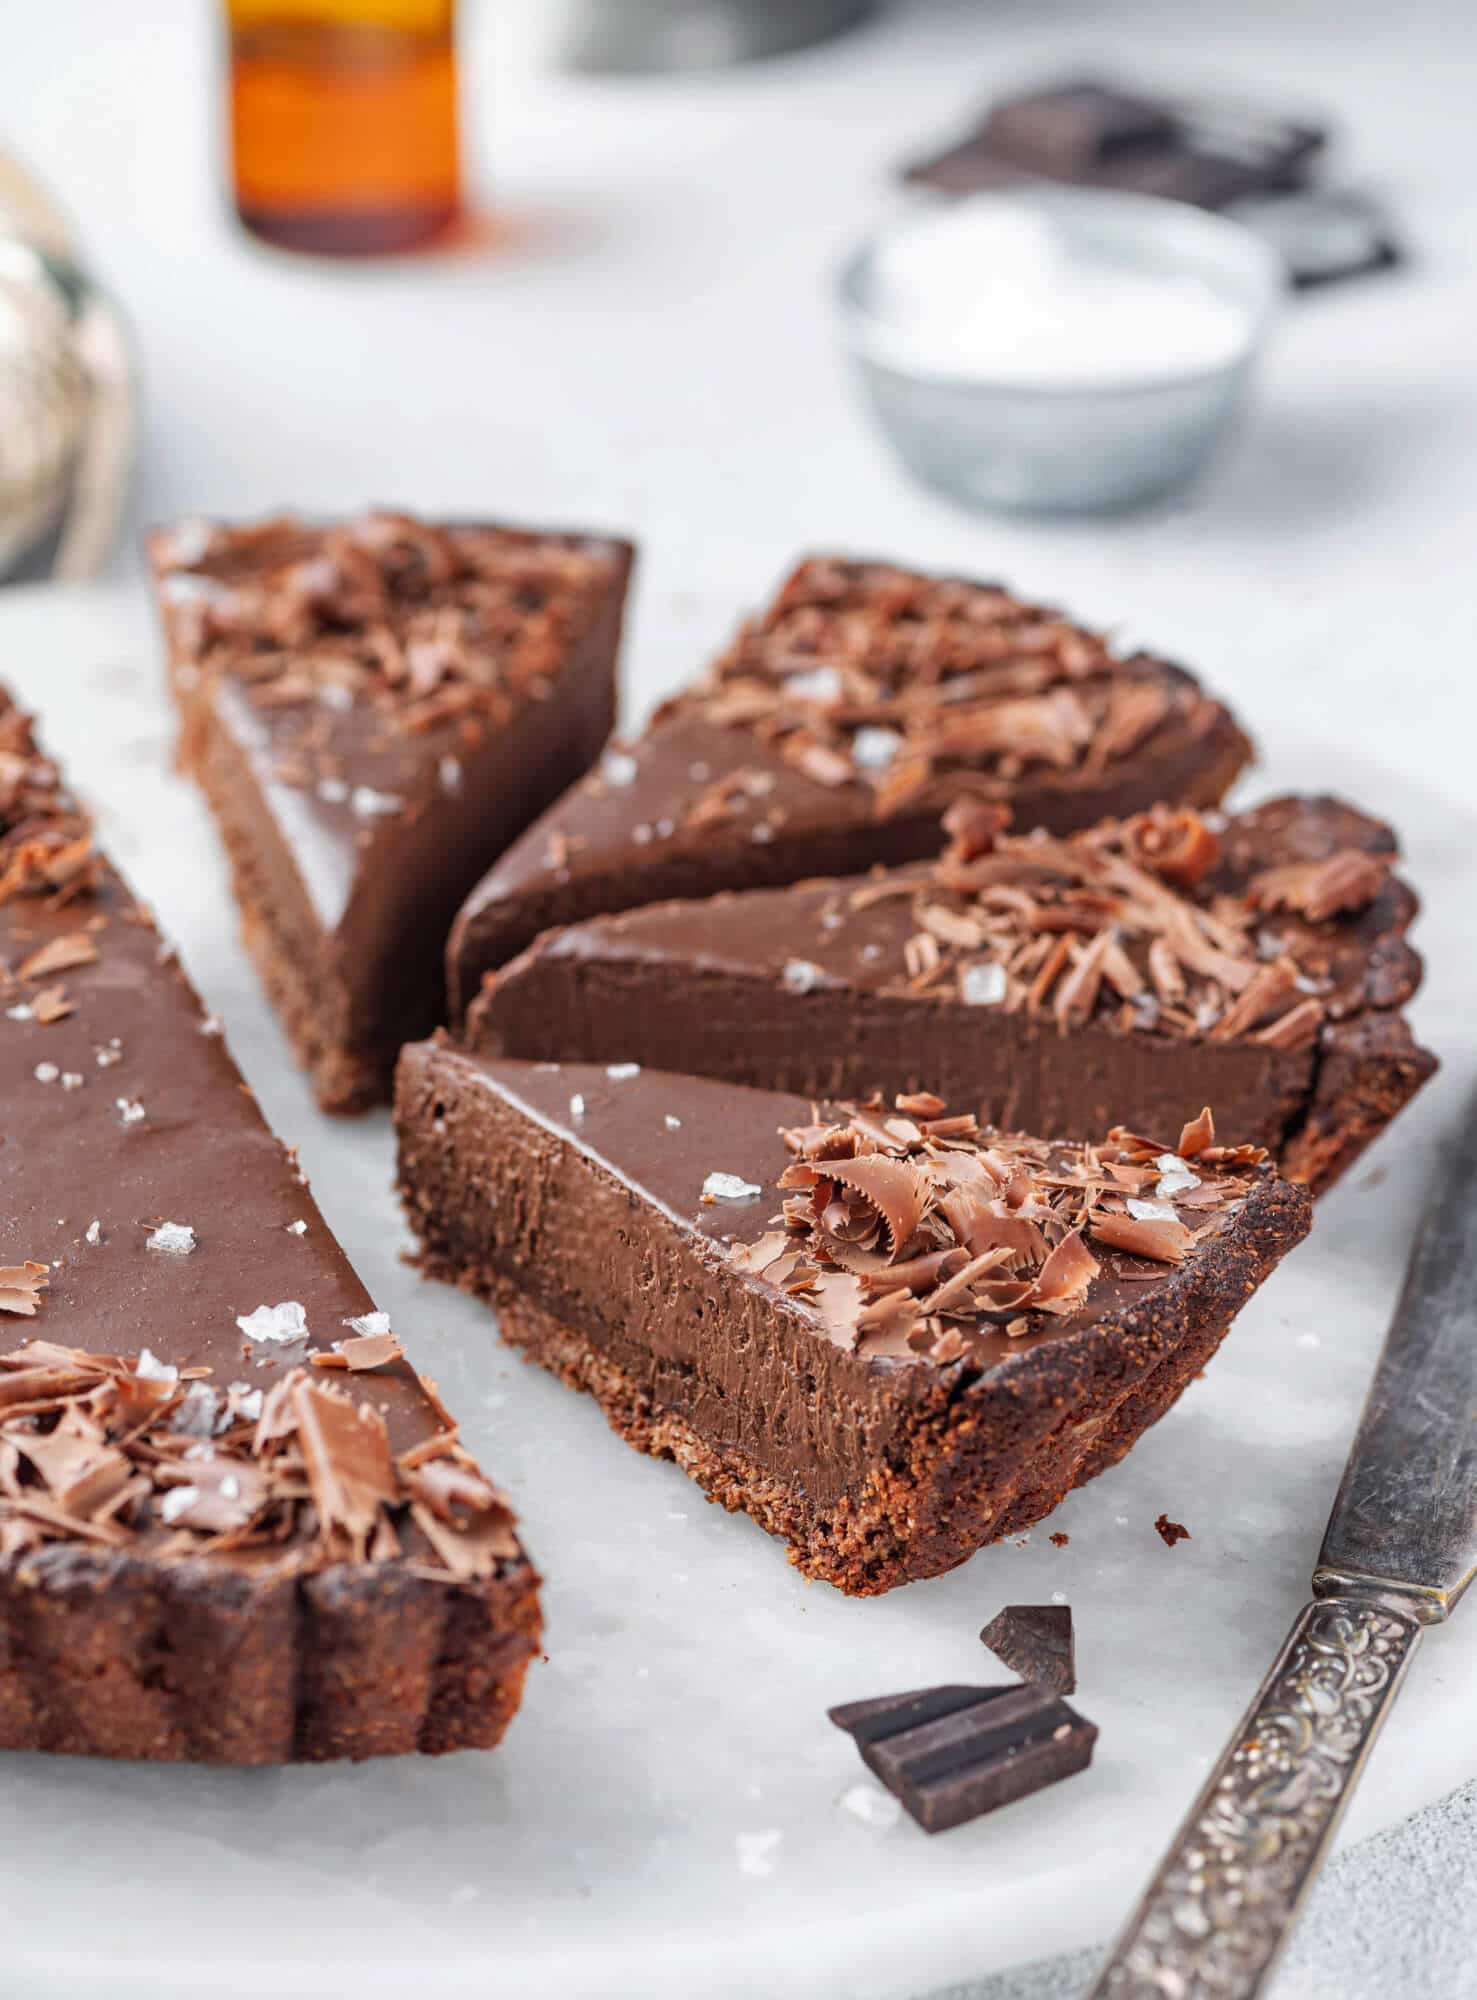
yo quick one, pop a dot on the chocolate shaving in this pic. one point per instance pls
(426, 624)
(915, 1234)
(62, 954)
(93, 1451)
(1162, 1241)
(910, 685)
(21, 1286)
(1318, 890)
(1120, 926)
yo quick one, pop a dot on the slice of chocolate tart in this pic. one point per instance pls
(235, 1525)
(834, 733)
(887, 1335)
(374, 710)
(1048, 984)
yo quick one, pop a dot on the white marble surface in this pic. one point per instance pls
(647, 349)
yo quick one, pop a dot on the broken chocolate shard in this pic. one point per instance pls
(1170, 1532)
(951, 1754)
(374, 709)
(834, 734)
(1036, 1642)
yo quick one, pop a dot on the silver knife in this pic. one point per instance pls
(1400, 1549)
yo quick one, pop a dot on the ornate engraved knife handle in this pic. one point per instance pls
(1229, 1890)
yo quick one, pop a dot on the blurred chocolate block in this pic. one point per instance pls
(1209, 152)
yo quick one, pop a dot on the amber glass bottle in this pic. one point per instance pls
(344, 122)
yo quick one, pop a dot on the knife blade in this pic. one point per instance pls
(1399, 1550)
(1405, 1518)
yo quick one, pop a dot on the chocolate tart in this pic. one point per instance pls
(834, 733)
(888, 1337)
(236, 1526)
(1050, 985)
(374, 710)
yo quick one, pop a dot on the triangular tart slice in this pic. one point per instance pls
(833, 734)
(1053, 984)
(235, 1525)
(887, 1335)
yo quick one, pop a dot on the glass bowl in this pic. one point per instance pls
(1096, 437)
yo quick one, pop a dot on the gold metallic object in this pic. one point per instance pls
(66, 394)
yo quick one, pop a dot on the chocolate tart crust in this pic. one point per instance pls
(109, 1656)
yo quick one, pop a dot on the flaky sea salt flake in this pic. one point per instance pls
(370, 1325)
(729, 1187)
(983, 985)
(874, 749)
(281, 1323)
(622, 1072)
(149, 1368)
(366, 803)
(130, 1110)
(800, 976)
(871, 1805)
(758, 1852)
(1151, 1211)
(177, 1238)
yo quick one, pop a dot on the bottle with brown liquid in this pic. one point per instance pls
(344, 122)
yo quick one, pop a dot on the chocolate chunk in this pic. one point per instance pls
(1170, 1532)
(951, 1754)
(1035, 1641)
(852, 1342)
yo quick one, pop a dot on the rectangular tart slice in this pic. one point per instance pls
(889, 1336)
(833, 734)
(1047, 984)
(374, 711)
(236, 1526)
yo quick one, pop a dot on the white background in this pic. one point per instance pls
(642, 344)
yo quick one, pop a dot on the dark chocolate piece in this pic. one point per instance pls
(1210, 152)
(1170, 1532)
(834, 734)
(374, 711)
(1046, 985)
(951, 1754)
(889, 1342)
(1035, 1641)
(208, 1549)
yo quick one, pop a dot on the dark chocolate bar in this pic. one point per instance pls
(951, 1754)
(1089, 133)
